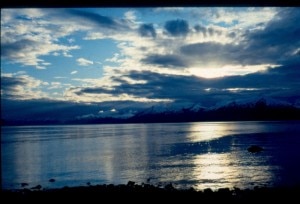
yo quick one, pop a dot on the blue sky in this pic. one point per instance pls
(116, 61)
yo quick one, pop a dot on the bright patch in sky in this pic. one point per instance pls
(229, 70)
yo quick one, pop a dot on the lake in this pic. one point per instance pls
(199, 155)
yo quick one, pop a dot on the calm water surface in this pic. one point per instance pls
(200, 155)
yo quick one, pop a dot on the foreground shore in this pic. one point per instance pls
(151, 192)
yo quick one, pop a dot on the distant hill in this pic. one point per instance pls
(257, 109)
(261, 109)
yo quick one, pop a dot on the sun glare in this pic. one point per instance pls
(229, 70)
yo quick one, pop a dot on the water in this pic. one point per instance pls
(200, 155)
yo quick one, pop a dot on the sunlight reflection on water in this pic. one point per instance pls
(213, 130)
(201, 155)
(223, 170)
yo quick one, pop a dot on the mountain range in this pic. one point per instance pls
(238, 110)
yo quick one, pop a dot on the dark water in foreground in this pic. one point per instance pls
(202, 155)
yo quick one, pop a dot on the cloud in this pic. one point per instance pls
(25, 38)
(177, 27)
(147, 30)
(55, 85)
(168, 69)
(164, 60)
(84, 62)
(74, 72)
(178, 89)
(100, 20)
(159, 88)
(278, 40)
(207, 31)
(243, 18)
(130, 15)
(275, 44)
(21, 87)
(116, 58)
(208, 52)
(28, 52)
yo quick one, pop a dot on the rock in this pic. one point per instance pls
(52, 180)
(254, 149)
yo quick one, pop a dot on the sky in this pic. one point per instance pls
(96, 62)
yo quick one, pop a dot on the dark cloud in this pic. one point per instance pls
(208, 92)
(277, 43)
(91, 90)
(19, 87)
(281, 78)
(9, 49)
(281, 30)
(165, 60)
(157, 86)
(207, 30)
(9, 83)
(279, 38)
(232, 35)
(98, 19)
(177, 27)
(12, 86)
(201, 29)
(147, 30)
(212, 51)
(206, 48)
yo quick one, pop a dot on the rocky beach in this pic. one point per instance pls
(151, 193)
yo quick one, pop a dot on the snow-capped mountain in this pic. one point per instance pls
(171, 108)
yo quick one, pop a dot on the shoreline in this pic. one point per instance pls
(132, 189)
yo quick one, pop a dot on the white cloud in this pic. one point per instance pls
(130, 15)
(84, 62)
(242, 17)
(25, 40)
(116, 58)
(71, 40)
(59, 77)
(169, 9)
(74, 72)
(55, 85)
(21, 73)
